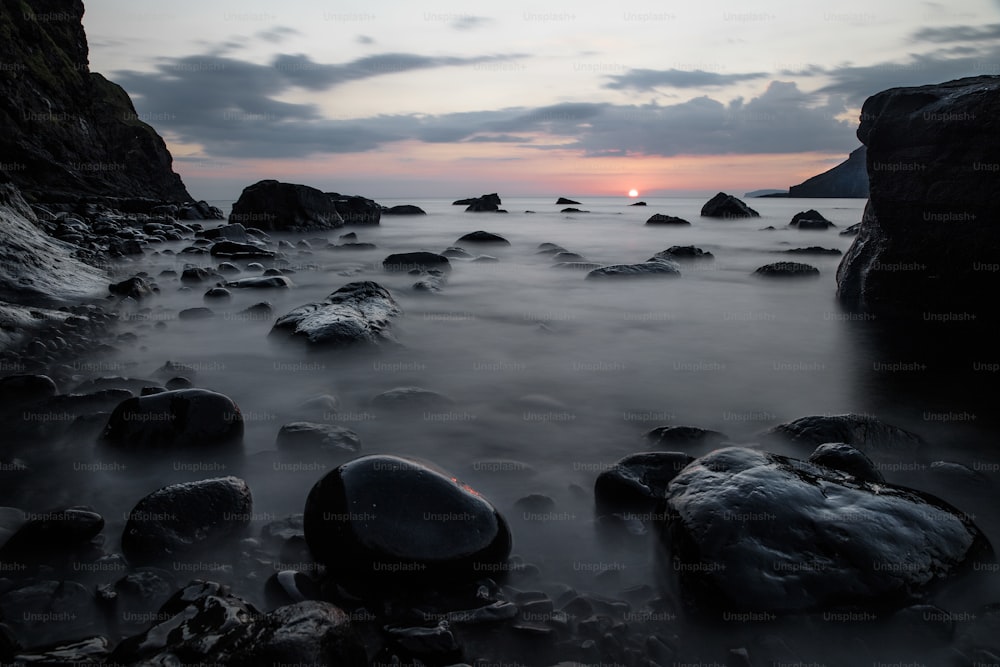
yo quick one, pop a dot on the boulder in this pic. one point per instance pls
(683, 436)
(753, 532)
(236, 250)
(572, 210)
(483, 237)
(357, 313)
(844, 457)
(356, 210)
(310, 437)
(136, 288)
(929, 241)
(811, 219)
(482, 203)
(406, 261)
(234, 232)
(867, 433)
(261, 282)
(657, 269)
(385, 518)
(404, 209)
(813, 250)
(727, 206)
(681, 253)
(787, 270)
(285, 207)
(411, 399)
(638, 203)
(18, 390)
(193, 275)
(175, 419)
(182, 521)
(562, 201)
(662, 219)
(454, 252)
(638, 482)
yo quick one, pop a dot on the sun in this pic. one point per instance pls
(633, 193)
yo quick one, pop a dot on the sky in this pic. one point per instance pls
(394, 99)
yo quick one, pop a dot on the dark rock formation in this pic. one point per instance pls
(867, 433)
(182, 521)
(483, 237)
(407, 261)
(175, 419)
(660, 269)
(844, 457)
(638, 482)
(638, 203)
(572, 210)
(681, 253)
(285, 207)
(562, 201)
(787, 270)
(308, 437)
(663, 219)
(357, 313)
(756, 532)
(727, 206)
(68, 131)
(929, 240)
(847, 179)
(384, 517)
(404, 209)
(811, 220)
(261, 282)
(356, 210)
(412, 399)
(813, 250)
(236, 250)
(683, 436)
(484, 203)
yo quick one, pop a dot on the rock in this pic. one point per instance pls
(350, 236)
(354, 246)
(178, 383)
(787, 270)
(811, 219)
(562, 201)
(194, 274)
(680, 253)
(437, 642)
(638, 203)
(411, 398)
(356, 210)
(386, 517)
(200, 210)
(844, 457)
(69, 132)
(259, 311)
(135, 287)
(638, 482)
(563, 257)
(572, 210)
(661, 219)
(218, 293)
(577, 266)
(852, 230)
(44, 612)
(227, 268)
(52, 533)
(847, 179)
(88, 651)
(406, 261)
(288, 587)
(756, 532)
(727, 206)
(869, 434)
(235, 232)
(261, 282)
(357, 313)
(683, 436)
(285, 207)
(456, 253)
(200, 313)
(18, 390)
(309, 436)
(928, 243)
(658, 269)
(404, 209)
(489, 202)
(483, 237)
(183, 521)
(175, 419)
(813, 250)
(236, 250)
(432, 280)
(814, 225)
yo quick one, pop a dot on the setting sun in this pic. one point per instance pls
(633, 193)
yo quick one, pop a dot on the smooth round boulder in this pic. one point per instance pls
(404, 209)
(867, 433)
(405, 261)
(411, 398)
(787, 270)
(658, 269)
(753, 532)
(183, 418)
(638, 482)
(843, 457)
(384, 517)
(727, 206)
(663, 219)
(682, 253)
(482, 237)
(182, 521)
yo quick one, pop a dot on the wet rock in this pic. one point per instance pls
(407, 261)
(411, 399)
(483, 237)
(52, 533)
(436, 642)
(867, 433)
(227, 268)
(727, 206)
(175, 419)
(357, 313)
(844, 457)
(311, 437)
(811, 220)
(483, 203)
(135, 287)
(568, 257)
(43, 612)
(218, 294)
(178, 383)
(235, 250)
(287, 207)
(354, 246)
(657, 269)
(200, 313)
(356, 210)
(662, 219)
(680, 253)
(562, 201)
(89, 651)
(851, 230)
(756, 532)
(454, 252)
(813, 250)
(195, 274)
(404, 209)
(683, 436)
(235, 232)
(577, 266)
(289, 587)
(638, 482)
(550, 249)
(184, 520)
(18, 390)
(350, 236)
(384, 517)
(259, 311)
(787, 270)
(276, 533)
(572, 210)
(261, 282)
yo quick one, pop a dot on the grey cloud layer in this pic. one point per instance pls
(651, 79)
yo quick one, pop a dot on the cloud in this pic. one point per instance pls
(470, 22)
(651, 79)
(959, 33)
(277, 34)
(364, 39)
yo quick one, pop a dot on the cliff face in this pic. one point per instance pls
(847, 179)
(929, 244)
(65, 131)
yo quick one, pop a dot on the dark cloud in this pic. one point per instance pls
(470, 22)
(277, 34)
(651, 79)
(959, 33)
(364, 39)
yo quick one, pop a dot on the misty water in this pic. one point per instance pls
(553, 377)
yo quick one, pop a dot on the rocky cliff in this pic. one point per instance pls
(64, 130)
(929, 244)
(847, 179)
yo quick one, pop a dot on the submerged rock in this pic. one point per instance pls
(404, 209)
(787, 270)
(638, 482)
(309, 436)
(238, 250)
(356, 210)
(182, 521)
(680, 253)
(261, 282)
(175, 419)
(813, 250)
(662, 219)
(811, 219)
(385, 517)
(727, 206)
(405, 261)
(756, 532)
(659, 268)
(411, 398)
(357, 313)
(563, 201)
(844, 457)
(867, 433)
(285, 207)
(487, 203)
(483, 237)
(683, 436)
